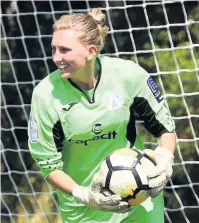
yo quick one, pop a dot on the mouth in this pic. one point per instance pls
(62, 67)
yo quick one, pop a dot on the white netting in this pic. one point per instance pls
(161, 36)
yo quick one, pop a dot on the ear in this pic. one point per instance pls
(92, 52)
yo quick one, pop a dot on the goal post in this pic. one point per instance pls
(161, 36)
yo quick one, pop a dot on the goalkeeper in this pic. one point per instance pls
(83, 111)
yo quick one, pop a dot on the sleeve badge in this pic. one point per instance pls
(33, 130)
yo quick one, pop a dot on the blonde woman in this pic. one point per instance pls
(83, 111)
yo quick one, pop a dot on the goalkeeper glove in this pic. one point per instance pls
(92, 198)
(160, 174)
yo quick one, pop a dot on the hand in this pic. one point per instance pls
(160, 174)
(92, 198)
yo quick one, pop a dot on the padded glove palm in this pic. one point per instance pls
(92, 198)
(160, 174)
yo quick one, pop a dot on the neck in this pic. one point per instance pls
(87, 79)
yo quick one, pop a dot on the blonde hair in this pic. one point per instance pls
(92, 26)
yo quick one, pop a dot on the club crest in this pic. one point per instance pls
(114, 102)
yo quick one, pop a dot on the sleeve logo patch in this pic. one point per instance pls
(154, 89)
(33, 130)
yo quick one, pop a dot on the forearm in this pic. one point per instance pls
(62, 181)
(86, 196)
(168, 141)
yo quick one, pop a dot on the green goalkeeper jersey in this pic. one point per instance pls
(74, 130)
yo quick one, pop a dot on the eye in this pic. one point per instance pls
(53, 49)
(64, 50)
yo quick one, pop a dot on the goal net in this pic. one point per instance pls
(161, 36)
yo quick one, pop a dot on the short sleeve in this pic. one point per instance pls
(45, 135)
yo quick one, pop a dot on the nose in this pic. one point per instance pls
(56, 56)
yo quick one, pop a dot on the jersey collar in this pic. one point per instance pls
(99, 68)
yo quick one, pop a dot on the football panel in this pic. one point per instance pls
(123, 157)
(122, 182)
(141, 174)
(104, 172)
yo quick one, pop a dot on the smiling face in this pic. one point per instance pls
(70, 56)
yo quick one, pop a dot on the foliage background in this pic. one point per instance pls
(169, 53)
